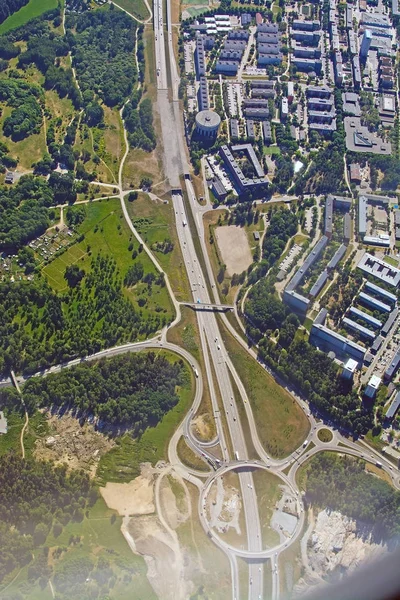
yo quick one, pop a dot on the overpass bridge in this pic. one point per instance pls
(208, 306)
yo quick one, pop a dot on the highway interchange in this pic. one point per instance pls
(219, 369)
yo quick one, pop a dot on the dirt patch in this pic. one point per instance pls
(165, 567)
(173, 501)
(201, 427)
(133, 498)
(79, 447)
(234, 247)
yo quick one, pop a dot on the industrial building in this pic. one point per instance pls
(378, 268)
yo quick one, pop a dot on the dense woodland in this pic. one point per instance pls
(24, 211)
(39, 327)
(102, 49)
(36, 497)
(133, 390)
(341, 483)
(8, 7)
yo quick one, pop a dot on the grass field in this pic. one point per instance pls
(137, 8)
(100, 532)
(268, 493)
(189, 458)
(106, 232)
(281, 424)
(186, 334)
(122, 463)
(26, 151)
(158, 226)
(325, 435)
(33, 9)
(208, 567)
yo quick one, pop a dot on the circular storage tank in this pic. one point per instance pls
(207, 123)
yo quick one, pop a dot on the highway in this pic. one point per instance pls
(214, 352)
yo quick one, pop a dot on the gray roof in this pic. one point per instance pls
(328, 223)
(337, 257)
(390, 321)
(347, 227)
(372, 287)
(368, 333)
(310, 260)
(394, 365)
(377, 344)
(394, 406)
(371, 301)
(234, 123)
(319, 284)
(321, 316)
(362, 215)
(365, 317)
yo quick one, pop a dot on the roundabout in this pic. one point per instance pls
(206, 501)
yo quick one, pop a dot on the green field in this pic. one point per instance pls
(99, 532)
(33, 9)
(281, 424)
(122, 463)
(137, 8)
(268, 493)
(155, 221)
(107, 232)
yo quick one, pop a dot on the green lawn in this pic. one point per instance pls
(107, 232)
(155, 222)
(122, 463)
(33, 9)
(100, 533)
(272, 150)
(268, 493)
(281, 423)
(137, 8)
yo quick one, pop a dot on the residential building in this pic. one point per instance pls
(390, 322)
(360, 314)
(250, 130)
(328, 340)
(365, 44)
(390, 414)
(267, 133)
(380, 269)
(234, 126)
(372, 386)
(199, 57)
(393, 367)
(379, 291)
(349, 368)
(364, 332)
(374, 303)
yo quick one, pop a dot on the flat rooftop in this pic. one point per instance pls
(378, 268)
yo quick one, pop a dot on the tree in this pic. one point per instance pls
(73, 275)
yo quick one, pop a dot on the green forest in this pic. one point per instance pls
(36, 497)
(133, 390)
(39, 328)
(9, 7)
(341, 483)
(102, 50)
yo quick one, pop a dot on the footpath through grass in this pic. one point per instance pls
(122, 463)
(33, 9)
(137, 8)
(281, 424)
(105, 231)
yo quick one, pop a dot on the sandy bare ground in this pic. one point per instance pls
(133, 498)
(80, 447)
(234, 248)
